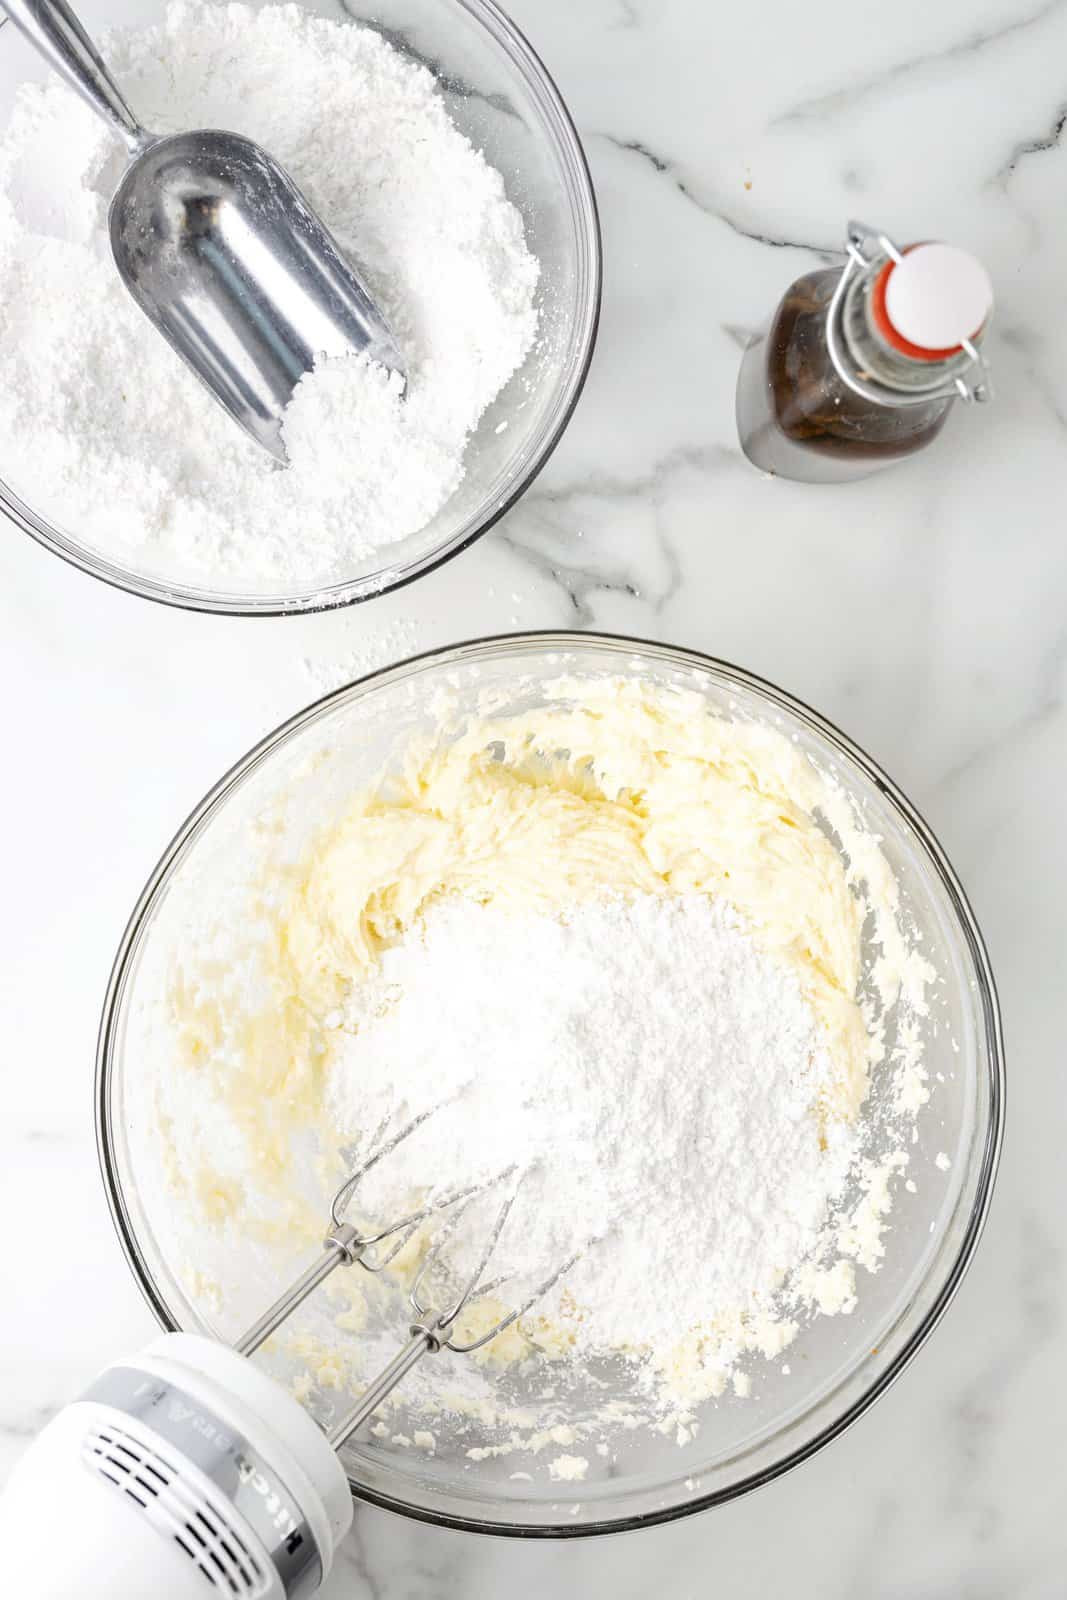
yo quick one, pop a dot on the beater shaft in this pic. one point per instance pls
(423, 1339)
(341, 1247)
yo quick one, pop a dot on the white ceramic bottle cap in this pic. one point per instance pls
(938, 296)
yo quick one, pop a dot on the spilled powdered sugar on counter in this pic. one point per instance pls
(377, 648)
(126, 449)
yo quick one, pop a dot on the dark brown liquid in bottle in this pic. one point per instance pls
(813, 406)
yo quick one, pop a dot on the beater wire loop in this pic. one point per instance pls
(432, 1329)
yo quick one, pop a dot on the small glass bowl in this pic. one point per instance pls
(500, 95)
(305, 774)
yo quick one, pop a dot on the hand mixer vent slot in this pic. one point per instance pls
(177, 1509)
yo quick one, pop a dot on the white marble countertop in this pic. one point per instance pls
(924, 612)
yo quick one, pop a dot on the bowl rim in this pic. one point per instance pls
(355, 591)
(562, 640)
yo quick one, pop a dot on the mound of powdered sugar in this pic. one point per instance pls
(655, 1077)
(103, 428)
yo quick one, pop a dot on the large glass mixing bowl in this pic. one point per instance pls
(304, 774)
(500, 95)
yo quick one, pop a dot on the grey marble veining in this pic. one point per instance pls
(925, 612)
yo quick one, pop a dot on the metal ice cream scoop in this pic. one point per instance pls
(219, 248)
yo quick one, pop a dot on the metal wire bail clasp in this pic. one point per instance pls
(865, 249)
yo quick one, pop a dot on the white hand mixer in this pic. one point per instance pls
(186, 1469)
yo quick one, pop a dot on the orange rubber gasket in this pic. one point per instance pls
(889, 333)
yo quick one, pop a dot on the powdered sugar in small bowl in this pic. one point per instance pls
(434, 145)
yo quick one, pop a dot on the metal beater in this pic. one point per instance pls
(431, 1331)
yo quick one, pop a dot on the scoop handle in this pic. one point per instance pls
(56, 34)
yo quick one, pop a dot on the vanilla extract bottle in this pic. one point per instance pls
(862, 363)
